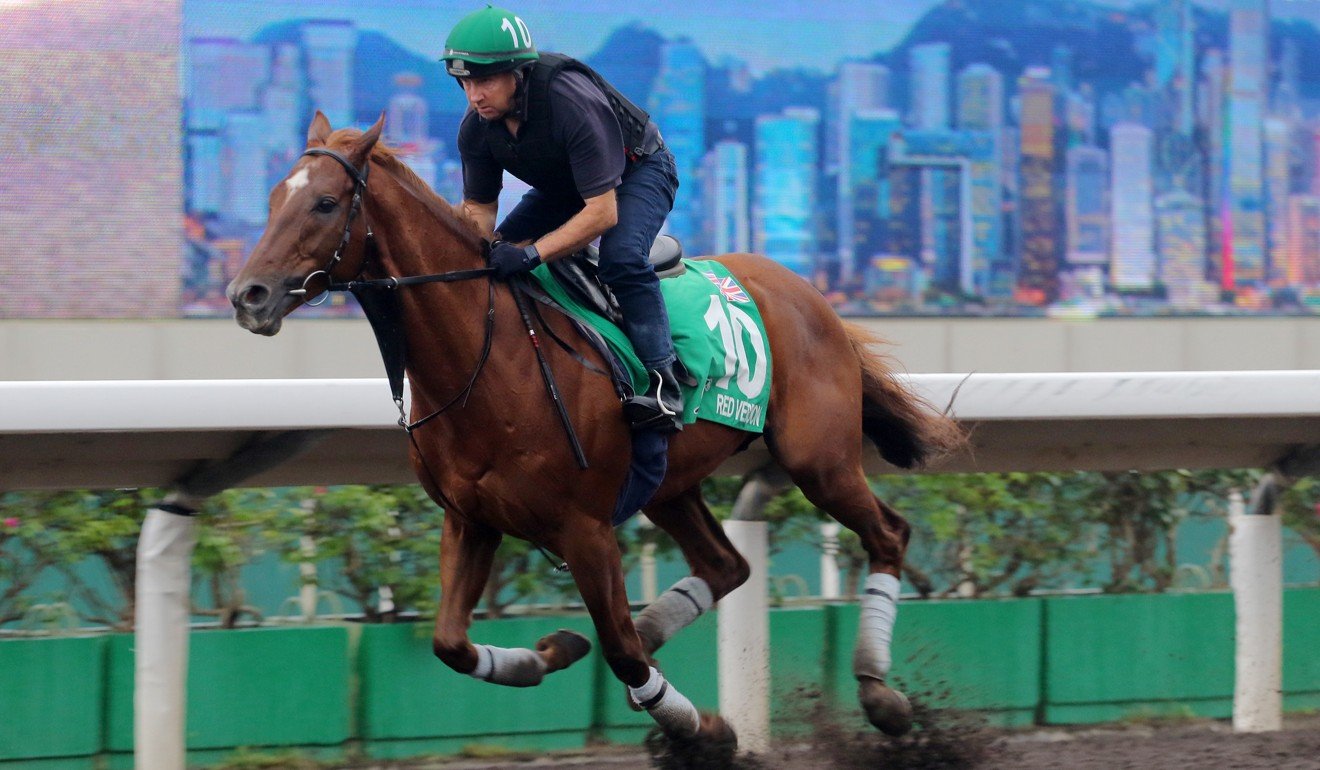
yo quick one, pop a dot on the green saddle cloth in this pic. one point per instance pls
(718, 336)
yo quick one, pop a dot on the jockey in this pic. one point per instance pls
(597, 167)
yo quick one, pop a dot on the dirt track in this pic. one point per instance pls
(954, 744)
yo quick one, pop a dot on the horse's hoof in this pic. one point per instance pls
(715, 730)
(886, 708)
(713, 746)
(562, 649)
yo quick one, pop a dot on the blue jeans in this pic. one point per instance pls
(644, 199)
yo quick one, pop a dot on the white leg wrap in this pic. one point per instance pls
(875, 628)
(519, 667)
(667, 706)
(674, 610)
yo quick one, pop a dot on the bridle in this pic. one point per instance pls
(359, 192)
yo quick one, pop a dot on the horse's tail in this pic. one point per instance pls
(908, 430)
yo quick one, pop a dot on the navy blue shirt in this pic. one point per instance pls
(582, 125)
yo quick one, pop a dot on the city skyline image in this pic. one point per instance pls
(1030, 157)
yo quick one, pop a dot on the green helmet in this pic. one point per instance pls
(488, 41)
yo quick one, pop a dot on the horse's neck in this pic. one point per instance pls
(446, 322)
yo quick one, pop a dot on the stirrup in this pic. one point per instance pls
(648, 411)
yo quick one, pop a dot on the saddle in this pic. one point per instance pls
(579, 274)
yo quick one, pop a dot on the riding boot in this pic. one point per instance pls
(660, 407)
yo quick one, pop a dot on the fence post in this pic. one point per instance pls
(1256, 564)
(829, 560)
(164, 584)
(743, 619)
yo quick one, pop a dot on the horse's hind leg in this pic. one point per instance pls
(717, 568)
(824, 460)
(466, 552)
(593, 556)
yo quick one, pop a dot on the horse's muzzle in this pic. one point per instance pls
(257, 307)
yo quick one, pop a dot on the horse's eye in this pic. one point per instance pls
(326, 205)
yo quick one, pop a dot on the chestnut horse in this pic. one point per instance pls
(496, 460)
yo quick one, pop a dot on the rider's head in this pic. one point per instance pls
(485, 51)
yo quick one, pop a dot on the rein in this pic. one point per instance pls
(382, 315)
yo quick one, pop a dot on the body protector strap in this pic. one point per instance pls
(535, 157)
(632, 119)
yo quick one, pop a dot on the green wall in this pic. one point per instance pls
(378, 690)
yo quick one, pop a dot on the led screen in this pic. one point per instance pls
(966, 157)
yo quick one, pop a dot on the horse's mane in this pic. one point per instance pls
(388, 158)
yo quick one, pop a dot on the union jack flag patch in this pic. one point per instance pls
(729, 288)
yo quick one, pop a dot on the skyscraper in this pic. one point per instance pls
(282, 102)
(1244, 255)
(1278, 136)
(1041, 214)
(930, 68)
(246, 156)
(981, 108)
(787, 153)
(1133, 265)
(1174, 63)
(1302, 263)
(981, 99)
(407, 124)
(724, 191)
(407, 121)
(222, 74)
(678, 104)
(330, 46)
(930, 86)
(860, 87)
(1181, 247)
(1212, 108)
(1087, 207)
(869, 138)
(968, 231)
(206, 184)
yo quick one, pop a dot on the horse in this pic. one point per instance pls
(489, 460)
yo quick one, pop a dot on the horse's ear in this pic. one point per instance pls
(319, 132)
(361, 150)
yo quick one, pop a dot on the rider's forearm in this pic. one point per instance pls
(481, 214)
(598, 215)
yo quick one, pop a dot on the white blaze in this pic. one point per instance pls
(296, 182)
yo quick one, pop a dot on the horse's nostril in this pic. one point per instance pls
(254, 296)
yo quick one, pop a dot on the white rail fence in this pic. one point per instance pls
(199, 437)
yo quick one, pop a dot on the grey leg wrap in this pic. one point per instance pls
(673, 610)
(667, 706)
(875, 627)
(518, 667)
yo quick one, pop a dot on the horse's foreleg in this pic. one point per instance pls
(593, 556)
(466, 553)
(717, 568)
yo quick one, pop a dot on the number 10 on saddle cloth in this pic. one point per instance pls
(718, 336)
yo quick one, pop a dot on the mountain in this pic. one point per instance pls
(629, 59)
(1106, 43)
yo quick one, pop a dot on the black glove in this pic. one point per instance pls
(509, 260)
